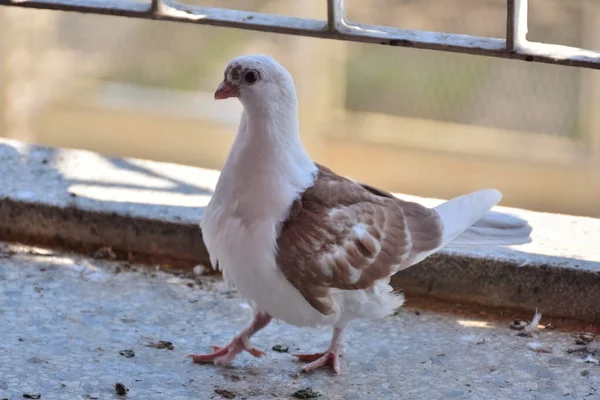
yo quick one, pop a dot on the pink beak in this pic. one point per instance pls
(226, 90)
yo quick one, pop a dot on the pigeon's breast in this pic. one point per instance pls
(246, 254)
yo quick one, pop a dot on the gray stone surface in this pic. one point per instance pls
(86, 200)
(82, 199)
(65, 318)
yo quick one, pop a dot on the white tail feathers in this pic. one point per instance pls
(460, 213)
(469, 223)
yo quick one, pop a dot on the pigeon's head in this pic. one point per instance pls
(256, 79)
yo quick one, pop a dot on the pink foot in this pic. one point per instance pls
(318, 360)
(224, 355)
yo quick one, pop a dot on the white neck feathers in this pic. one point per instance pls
(268, 167)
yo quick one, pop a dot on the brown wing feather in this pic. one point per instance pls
(345, 235)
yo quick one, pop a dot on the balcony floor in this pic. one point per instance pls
(64, 319)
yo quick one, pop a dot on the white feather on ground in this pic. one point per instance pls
(533, 325)
(539, 347)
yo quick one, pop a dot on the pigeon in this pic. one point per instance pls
(307, 246)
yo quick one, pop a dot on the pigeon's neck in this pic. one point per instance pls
(275, 130)
(268, 167)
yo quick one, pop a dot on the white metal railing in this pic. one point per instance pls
(515, 45)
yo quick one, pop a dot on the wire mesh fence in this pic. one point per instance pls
(474, 90)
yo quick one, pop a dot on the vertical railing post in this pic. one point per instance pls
(516, 24)
(336, 14)
(157, 7)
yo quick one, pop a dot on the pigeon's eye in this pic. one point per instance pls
(250, 77)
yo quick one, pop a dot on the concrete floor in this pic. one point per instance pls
(65, 318)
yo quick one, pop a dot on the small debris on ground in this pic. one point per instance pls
(550, 327)
(590, 359)
(417, 312)
(517, 324)
(583, 338)
(90, 397)
(161, 344)
(37, 360)
(121, 389)
(585, 372)
(533, 325)
(481, 341)
(234, 377)
(106, 253)
(307, 393)
(280, 348)
(199, 270)
(526, 328)
(539, 347)
(5, 252)
(127, 353)
(40, 252)
(32, 395)
(584, 351)
(225, 393)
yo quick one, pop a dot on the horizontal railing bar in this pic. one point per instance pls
(341, 30)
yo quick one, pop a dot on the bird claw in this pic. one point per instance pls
(210, 357)
(224, 355)
(318, 360)
(256, 352)
(309, 357)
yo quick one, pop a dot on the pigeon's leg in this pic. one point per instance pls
(223, 355)
(330, 357)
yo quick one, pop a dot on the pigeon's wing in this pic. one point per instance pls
(341, 234)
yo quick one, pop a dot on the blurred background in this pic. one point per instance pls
(411, 121)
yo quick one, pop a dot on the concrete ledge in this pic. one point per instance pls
(88, 230)
(494, 282)
(145, 209)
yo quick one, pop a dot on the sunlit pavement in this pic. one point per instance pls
(65, 319)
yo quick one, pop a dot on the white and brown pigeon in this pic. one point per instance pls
(307, 246)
